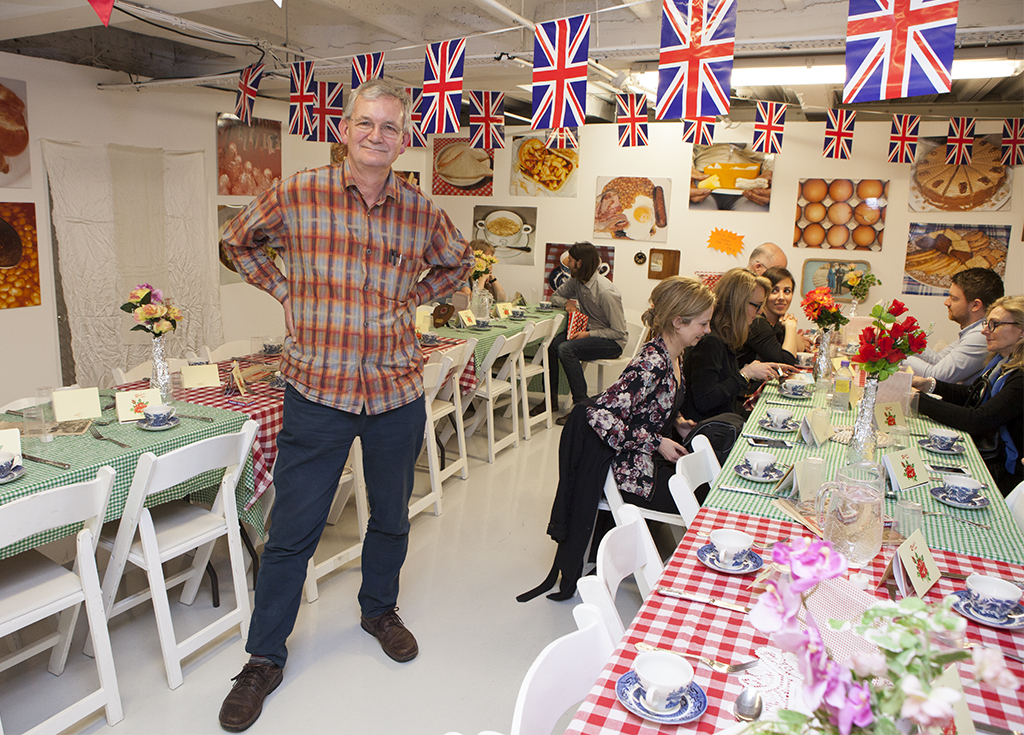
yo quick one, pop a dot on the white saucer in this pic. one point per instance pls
(958, 448)
(1014, 620)
(751, 561)
(787, 428)
(771, 474)
(171, 423)
(16, 472)
(631, 694)
(940, 494)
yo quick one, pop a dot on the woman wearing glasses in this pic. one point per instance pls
(991, 409)
(774, 336)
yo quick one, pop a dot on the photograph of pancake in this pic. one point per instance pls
(460, 170)
(511, 230)
(15, 161)
(19, 255)
(831, 273)
(542, 172)
(729, 177)
(983, 185)
(248, 157)
(632, 208)
(936, 252)
(841, 213)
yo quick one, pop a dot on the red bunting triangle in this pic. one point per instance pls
(103, 9)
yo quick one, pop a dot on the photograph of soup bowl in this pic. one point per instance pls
(503, 228)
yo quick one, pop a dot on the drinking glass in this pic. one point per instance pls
(899, 437)
(177, 387)
(256, 344)
(909, 518)
(534, 296)
(39, 418)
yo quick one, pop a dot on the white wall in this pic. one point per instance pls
(64, 104)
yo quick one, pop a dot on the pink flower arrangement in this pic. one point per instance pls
(147, 306)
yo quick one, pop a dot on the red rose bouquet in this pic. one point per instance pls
(822, 309)
(888, 342)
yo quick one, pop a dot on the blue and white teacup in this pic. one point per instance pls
(732, 546)
(944, 439)
(664, 678)
(518, 314)
(483, 323)
(991, 596)
(961, 489)
(794, 387)
(428, 338)
(157, 416)
(544, 306)
(7, 463)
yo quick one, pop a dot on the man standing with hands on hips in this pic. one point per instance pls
(354, 239)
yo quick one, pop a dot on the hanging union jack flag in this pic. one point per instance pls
(248, 85)
(301, 99)
(771, 119)
(442, 87)
(328, 112)
(1013, 142)
(903, 138)
(898, 48)
(631, 115)
(839, 134)
(563, 138)
(560, 49)
(487, 119)
(700, 131)
(695, 65)
(419, 140)
(960, 140)
(366, 67)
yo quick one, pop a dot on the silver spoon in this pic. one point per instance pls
(748, 705)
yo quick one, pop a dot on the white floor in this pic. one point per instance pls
(458, 591)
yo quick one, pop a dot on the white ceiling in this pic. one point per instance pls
(622, 39)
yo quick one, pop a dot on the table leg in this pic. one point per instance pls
(247, 542)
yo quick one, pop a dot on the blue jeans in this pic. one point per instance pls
(312, 448)
(571, 352)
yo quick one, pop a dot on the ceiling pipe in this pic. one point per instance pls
(507, 12)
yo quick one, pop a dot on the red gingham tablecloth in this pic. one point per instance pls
(467, 381)
(728, 636)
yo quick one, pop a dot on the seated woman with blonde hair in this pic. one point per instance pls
(487, 281)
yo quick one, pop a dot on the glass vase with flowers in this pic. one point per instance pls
(821, 308)
(159, 317)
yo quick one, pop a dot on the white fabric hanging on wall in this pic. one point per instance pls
(125, 216)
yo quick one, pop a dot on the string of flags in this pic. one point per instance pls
(631, 116)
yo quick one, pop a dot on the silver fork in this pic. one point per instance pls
(96, 433)
(719, 666)
(957, 518)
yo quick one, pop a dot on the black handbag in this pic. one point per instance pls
(722, 432)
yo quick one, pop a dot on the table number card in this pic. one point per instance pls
(816, 429)
(962, 722)
(10, 441)
(504, 309)
(132, 403)
(906, 468)
(200, 376)
(72, 404)
(888, 415)
(424, 321)
(467, 318)
(914, 562)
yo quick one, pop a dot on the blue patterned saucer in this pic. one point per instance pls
(787, 428)
(942, 495)
(1013, 620)
(631, 694)
(16, 472)
(958, 448)
(749, 562)
(146, 426)
(771, 474)
(798, 394)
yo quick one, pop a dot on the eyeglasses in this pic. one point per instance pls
(991, 324)
(387, 130)
(756, 306)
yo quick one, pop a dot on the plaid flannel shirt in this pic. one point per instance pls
(353, 281)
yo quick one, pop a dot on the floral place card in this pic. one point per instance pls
(131, 404)
(467, 318)
(888, 415)
(504, 309)
(914, 562)
(962, 722)
(70, 404)
(816, 428)
(906, 468)
(200, 376)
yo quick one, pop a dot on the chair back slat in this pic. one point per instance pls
(82, 502)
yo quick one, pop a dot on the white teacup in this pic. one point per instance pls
(961, 489)
(545, 306)
(664, 677)
(991, 596)
(794, 387)
(943, 438)
(731, 545)
(7, 463)
(158, 415)
(759, 462)
(518, 314)
(779, 416)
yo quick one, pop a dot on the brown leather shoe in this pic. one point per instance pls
(394, 637)
(560, 421)
(244, 702)
(539, 409)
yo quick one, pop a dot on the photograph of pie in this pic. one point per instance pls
(632, 208)
(461, 170)
(983, 185)
(936, 252)
(15, 167)
(542, 172)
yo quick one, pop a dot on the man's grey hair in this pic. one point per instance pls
(376, 89)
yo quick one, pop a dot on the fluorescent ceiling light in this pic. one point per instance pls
(985, 68)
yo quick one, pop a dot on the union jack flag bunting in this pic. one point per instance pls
(695, 65)
(248, 85)
(487, 119)
(898, 48)
(560, 49)
(366, 67)
(631, 115)
(301, 99)
(328, 112)
(903, 138)
(839, 134)
(771, 119)
(1013, 142)
(960, 140)
(419, 140)
(700, 131)
(442, 87)
(563, 138)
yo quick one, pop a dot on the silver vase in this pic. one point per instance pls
(823, 363)
(862, 443)
(161, 375)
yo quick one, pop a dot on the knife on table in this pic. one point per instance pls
(669, 592)
(195, 418)
(747, 490)
(953, 575)
(51, 462)
(995, 729)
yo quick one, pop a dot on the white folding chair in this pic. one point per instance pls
(32, 588)
(563, 674)
(693, 470)
(19, 404)
(638, 337)
(170, 530)
(238, 348)
(626, 549)
(493, 383)
(439, 382)
(1015, 501)
(144, 370)
(545, 331)
(434, 375)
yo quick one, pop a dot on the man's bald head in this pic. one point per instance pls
(768, 255)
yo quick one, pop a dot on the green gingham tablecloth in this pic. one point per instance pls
(1003, 542)
(86, 455)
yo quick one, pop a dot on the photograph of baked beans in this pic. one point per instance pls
(248, 157)
(841, 214)
(511, 231)
(15, 164)
(983, 185)
(19, 255)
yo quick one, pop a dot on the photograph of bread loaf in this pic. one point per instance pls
(936, 252)
(461, 170)
(632, 208)
(983, 185)
(14, 156)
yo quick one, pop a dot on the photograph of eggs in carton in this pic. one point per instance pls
(841, 213)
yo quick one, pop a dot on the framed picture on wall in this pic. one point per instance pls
(831, 273)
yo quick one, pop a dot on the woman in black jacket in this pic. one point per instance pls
(991, 409)
(774, 336)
